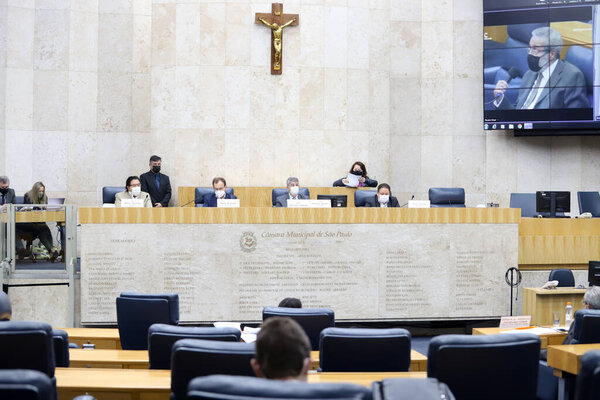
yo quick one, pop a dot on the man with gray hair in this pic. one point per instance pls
(550, 82)
(7, 195)
(293, 187)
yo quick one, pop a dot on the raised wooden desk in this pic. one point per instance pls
(549, 339)
(360, 378)
(566, 358)
(36, 216)
(103, 338)
(418, 361)
(109, 358)
(540, 303)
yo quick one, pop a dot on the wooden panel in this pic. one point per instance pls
(540, 303)
(361, 378)
(548, 339)
(108, 358)
(270, 215)
(37, 216)
(496, 33)
(418, 361)
(103, 338)
(565, 358)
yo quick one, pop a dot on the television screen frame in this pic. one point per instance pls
(337, 200)
(596, 265)
(548, 202)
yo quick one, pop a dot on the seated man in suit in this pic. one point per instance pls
(220, 188)
(282, 350)
(7, 195)
(157, 185)
(133, 190)
(293, 186)
(383, 198)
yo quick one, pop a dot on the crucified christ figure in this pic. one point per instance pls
(277, 30)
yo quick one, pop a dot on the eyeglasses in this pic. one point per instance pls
(538, 50)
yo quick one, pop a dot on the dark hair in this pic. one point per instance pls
(362, 166)
(128, 181)
(281, 348)
(291, 302)
(154, 158)
(219, 179)
(384, 185)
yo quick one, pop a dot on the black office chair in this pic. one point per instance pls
(162, 337)
(361, 196)
(276, 192)
(312, 320)
(194, 357)
(60, 340)
(222, 387)
(588, 379)
(109, 192)
(589, 202)
(563, 276)
(25, 384)
(409, 389)
(200, 192)
(587, 327)
(136, 312)
(493, 367)
(447, 197)
(364, 350)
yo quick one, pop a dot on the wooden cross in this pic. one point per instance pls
(277, 21)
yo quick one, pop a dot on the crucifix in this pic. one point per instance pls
(277, 21)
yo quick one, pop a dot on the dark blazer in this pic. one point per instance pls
(162, 195)
(281, 201)
(9, 197)
(367, 183)
(210, 200)
(372, 202)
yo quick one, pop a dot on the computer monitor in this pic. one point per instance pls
(551, 202)
(594, 273)
(337, 200)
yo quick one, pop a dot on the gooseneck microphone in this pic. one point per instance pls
(513, 72)
(405, 204)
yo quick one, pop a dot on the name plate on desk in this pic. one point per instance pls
(132, 203)
(228, 203)
(419, 204)
(307, 203)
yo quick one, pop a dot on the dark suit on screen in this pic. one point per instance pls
(372, 202)
(9, 197)
(162, 194)
(567, 89)
(210, 200)
(281, 201)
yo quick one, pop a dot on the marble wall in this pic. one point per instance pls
(90, 88)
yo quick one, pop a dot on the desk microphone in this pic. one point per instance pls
(405, 204)
(189, 202)
(512, 73)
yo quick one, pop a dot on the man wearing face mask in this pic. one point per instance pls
(293, 186)
(220, 192)
(550, 82)
(157, 185)
(7, 195)
(383, 198)
(133, 190)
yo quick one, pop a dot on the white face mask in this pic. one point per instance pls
(294, 190)
(383, 198)
(136, 190)
(219, 193)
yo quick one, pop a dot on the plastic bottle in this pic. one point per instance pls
(568, 315)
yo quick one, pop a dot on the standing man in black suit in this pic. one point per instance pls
(7, 195)
(383, 198)
(156, 184)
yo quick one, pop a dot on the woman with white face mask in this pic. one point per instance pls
(133, 190)
(383, 198)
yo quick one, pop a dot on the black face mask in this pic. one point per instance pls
(4, 190)
(156, 169)
(533, 62)
(359, 173)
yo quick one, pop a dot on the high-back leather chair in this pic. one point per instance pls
(136, 312)
(5, 307)
(27, 345)
(589, 202)
(364, 350)
(563, 276)
(583, 58)
(25, 384)
(360, 197)
(221, 387)
(162, 337)
(588, 379)
(587, 327)
(312, 320)
(109, 192)
(447, 197)
(410, 389)
(194, 357)
(200, 192)
(60, 340)
(497, 366)
(276, 192)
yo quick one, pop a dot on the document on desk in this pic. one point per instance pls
(352, 180)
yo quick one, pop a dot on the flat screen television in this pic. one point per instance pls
(594, 273)
(552, 202)
(337, 200)
(540, 66)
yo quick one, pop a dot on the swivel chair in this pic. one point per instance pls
(312, 320)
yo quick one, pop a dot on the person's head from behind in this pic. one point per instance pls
(293, 186)
(358, 168)
(544, 47)
(133, 185)
(282, 350)
(5, 307)
(37, 194)
(219, 186)
(4, 184)
(155, 163)
(383, 193)
(290, 302)
(591, 298)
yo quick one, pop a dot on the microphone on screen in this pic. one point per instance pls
(513, 72)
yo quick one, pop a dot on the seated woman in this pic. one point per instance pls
(358, 169)
(36, 230)
(133, 190)
(383, 198)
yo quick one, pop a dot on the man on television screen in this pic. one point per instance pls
(550, 82)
